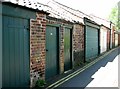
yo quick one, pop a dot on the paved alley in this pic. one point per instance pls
(106, 76)
(102, 74)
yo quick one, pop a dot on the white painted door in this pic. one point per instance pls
(116, 40)
(103, 40)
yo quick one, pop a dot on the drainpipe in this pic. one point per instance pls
(84, 40)
(99, 46)
(110, 43)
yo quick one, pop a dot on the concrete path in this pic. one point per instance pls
(104, 73)
(106, 76)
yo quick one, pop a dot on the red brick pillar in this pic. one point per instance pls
(78, 44)
(37, 47)
(62, 49)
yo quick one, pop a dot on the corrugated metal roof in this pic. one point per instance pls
(66, 13)
(57, 10)
(28, 3)
(101, 21)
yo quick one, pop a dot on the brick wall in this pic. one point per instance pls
(37, 44)
(37, 47)
(61, 50)
(78, 44)
(113, 36)
(108, 39)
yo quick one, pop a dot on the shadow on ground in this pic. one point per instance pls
(84, 78)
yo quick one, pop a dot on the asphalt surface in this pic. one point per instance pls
(85, 77)
(104, 76)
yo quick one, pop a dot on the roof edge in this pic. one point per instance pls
(37, 10)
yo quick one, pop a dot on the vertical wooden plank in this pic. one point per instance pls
(6, 65)
(12, 57)
(26, 52)
(6, 58)
(17, 57)
(51, 52)
(47, 53)
(67, 50)
(21, 56)
(19, 45)
(1, 49)
(10, 42)
(1, 45)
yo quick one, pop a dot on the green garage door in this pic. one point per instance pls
(51, 52)
(91, 42)
(15, 52)
(67, 50)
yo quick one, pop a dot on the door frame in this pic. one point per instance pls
(92, 24)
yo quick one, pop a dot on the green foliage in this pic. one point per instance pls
(114, 16)
(40, 83)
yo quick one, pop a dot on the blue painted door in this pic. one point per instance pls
(91, 42)
(67, 49)
(51, 52)
(15, 52)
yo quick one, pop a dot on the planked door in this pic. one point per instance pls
(16, 53)
(67, 50)
(91, 42)
(51, 52)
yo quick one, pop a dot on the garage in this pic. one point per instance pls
(92, 39)
(52, 51)
(67, 49)
(15, 52)
(16, 46)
